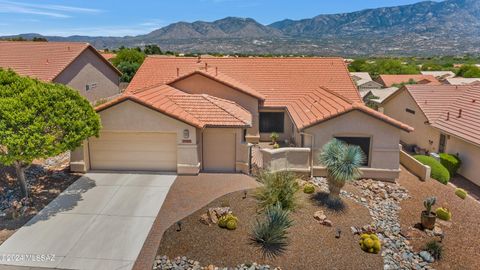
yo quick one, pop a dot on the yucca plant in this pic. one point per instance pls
(278, 188)
(270, 233)
(342, 162)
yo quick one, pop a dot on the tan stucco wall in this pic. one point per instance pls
(287, 131)
(470, 156)
(130, 116)
(424, 135)
(384, 153)
(198, 84)
(241, 148)
(88, 68)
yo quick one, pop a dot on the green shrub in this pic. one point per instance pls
(443, 213)
(309, 188)
(370, 243)
(274, 137)
(271, 232)
(435, 249)
(278, 188)
(462, 193)
(451, 162)
(276, 146)
(439, 172)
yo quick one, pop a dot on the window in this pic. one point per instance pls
(90, 86)
(410, 111)
(363, 142)
(271, 122)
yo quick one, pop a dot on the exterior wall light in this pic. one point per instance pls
(186, 133)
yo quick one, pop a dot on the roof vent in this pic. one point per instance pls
(199, 59)
(459, 113)
(216, 71)
(474, 100)
(178, 72)
(48, 62)
(206, 67)
(448, 116)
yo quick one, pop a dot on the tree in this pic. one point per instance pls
(358, 65)
(40, 120)
(469, 71)
(342, 162)
(152, 49)
(39, 39)
(128, 61)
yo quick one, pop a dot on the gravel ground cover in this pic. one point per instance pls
(46, 178)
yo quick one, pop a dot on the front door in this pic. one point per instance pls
(442, 144)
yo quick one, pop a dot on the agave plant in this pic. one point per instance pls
(342, 162)
(270, 233)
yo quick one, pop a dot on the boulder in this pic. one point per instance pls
(319, 215)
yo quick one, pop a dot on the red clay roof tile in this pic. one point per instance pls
(390, 80)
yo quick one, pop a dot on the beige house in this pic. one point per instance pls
(77, 65)
(446, 119)
(187, 115)
(364, 81)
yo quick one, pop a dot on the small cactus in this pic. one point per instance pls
(276, 146)
(428, 203)
(460, 192)
(308, 188)
(443, 213)
(232, 224)
(370, 243)
(224, 220)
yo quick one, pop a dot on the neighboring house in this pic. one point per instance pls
(77, 65)
(187, 115)
(462, 81)
(364, 81)
(375, 97)
(392, 80)
(440, 75)
(446, 119)
(108, 56)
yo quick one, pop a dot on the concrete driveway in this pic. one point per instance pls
(100, 222)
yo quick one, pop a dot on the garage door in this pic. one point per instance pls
(134, 151)
(218, 151)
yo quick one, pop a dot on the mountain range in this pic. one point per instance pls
(426, 28)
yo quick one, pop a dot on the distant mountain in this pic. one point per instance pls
(425, 28)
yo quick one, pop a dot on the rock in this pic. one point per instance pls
(426, 256)
(354, 230)
(363, 200)
(205, 219)
(437, 231)
(319, 215)
(213, 216)
(327, 223)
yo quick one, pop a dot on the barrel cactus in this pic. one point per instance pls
(224, 220)
(309, 188)
(460, 192)
(370, 243)
(443, 213)
(232, 224)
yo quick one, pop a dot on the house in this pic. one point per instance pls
(374, 97)
(446, 119)
(440, 75)
(392, 80)
(364, 81)
(187, 115)
(462, 81)
(75, 64)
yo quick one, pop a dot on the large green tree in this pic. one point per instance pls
(128, 61)
(40, 120)
(469, 71)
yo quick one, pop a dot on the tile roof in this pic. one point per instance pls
(381, 94)
(390, 80)
(41, 60)
(462, 81)
(268, 76)
(311, 89)
(439, 74)
(197, 110)
(108, 56)
(461, 117)
(433, 100)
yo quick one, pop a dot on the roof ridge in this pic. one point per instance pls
(337, 95)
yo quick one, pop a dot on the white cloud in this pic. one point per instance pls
(56, 11)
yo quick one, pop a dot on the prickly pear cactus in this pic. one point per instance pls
(370, 243)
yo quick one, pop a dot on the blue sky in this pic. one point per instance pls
(119, 17)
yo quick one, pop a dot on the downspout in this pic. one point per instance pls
(311, 151)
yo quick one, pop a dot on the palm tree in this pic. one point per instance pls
(342, 162)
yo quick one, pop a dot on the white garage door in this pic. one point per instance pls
(134, 151)
(218, 151)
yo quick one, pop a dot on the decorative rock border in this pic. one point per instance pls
(183, 263)
(383, 202)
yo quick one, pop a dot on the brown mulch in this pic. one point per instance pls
(311, 245)
(462, 236)
(47, 186)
